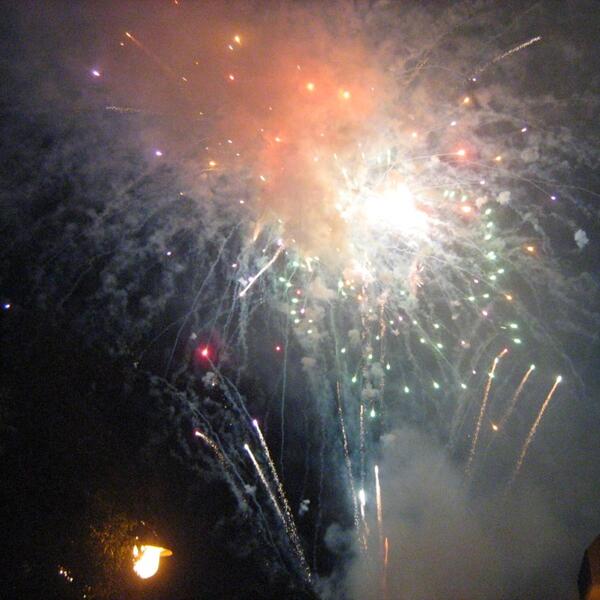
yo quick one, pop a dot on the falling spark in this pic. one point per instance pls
(386, 554)
(347, 455)
(253, 280)
(532, 431)
(379, 506)
(156, 59)
(267, 487)
(484, 403)
(211, 444)
(291, 526)
(508, 53)
(515, 398)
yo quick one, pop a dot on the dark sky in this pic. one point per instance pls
(428, 202)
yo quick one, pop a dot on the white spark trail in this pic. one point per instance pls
(280, 513)
(290, 524)
(257, 276)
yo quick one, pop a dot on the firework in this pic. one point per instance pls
(359, 214)
(482, 409)
(533, 430)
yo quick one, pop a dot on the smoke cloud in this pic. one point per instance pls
(446, 543)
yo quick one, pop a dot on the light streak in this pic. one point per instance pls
(482, 410)
(295, 541)
(211, 444)
(156, 59)
(386, 554)
(515, 398)
(257, 276)
(379, 506)
(533, 40)
(532, 431)
(347, 455)
(293, 532)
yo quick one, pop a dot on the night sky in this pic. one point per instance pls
(306, 292)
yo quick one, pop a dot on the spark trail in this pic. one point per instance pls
(257, 276)
(267, 487)
(379, 506)
(211, 444)
(290, 524)
(532, 432)
(533, 40)
(482, 410)
(515, 398)
(386, 556)
(347, 457)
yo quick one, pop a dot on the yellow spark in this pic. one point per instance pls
(533, 430)
(482, 410)
(516, 395)
(310, 86)
(466, 100)
(237, 39)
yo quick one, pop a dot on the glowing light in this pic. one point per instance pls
(310, 86)
(461, 152)
(345, 94)
(96, 73)
(237, 39)
(147, 559)
(396, 209)
(158, 153)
